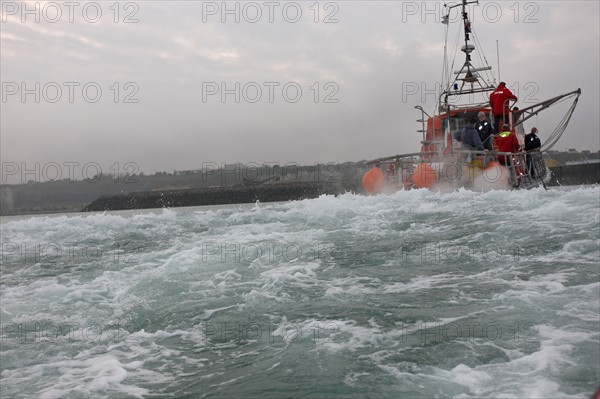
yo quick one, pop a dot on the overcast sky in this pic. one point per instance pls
(161, 67)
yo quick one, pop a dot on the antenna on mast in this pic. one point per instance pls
(498, 58)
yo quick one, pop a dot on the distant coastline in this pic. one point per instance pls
(237, 184)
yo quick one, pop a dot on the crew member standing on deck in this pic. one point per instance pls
(506, 141)
(484, 128)
(499, 101)
(469, 138)
(532, 146)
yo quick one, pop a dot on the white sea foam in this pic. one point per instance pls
(350, 306)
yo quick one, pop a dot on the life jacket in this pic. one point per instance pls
(506, 142)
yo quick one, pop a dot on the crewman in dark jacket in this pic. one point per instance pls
(469, 138)
(486, 132)
(532, 146)
(532, 141)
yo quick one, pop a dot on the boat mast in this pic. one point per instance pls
(467, 30)
(468, 75)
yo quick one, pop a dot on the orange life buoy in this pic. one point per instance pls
(424, 176)
(373, 181)
(495, 172)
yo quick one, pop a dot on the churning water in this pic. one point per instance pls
(415, 294)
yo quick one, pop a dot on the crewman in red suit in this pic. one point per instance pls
(499, 101)
(506, 141)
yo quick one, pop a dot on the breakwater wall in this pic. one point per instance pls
(215, 196)
(572, 175)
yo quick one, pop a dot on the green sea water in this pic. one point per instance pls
(410, 295)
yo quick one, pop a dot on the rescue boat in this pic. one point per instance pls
(442, 164)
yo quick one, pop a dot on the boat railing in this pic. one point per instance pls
(525, 170)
